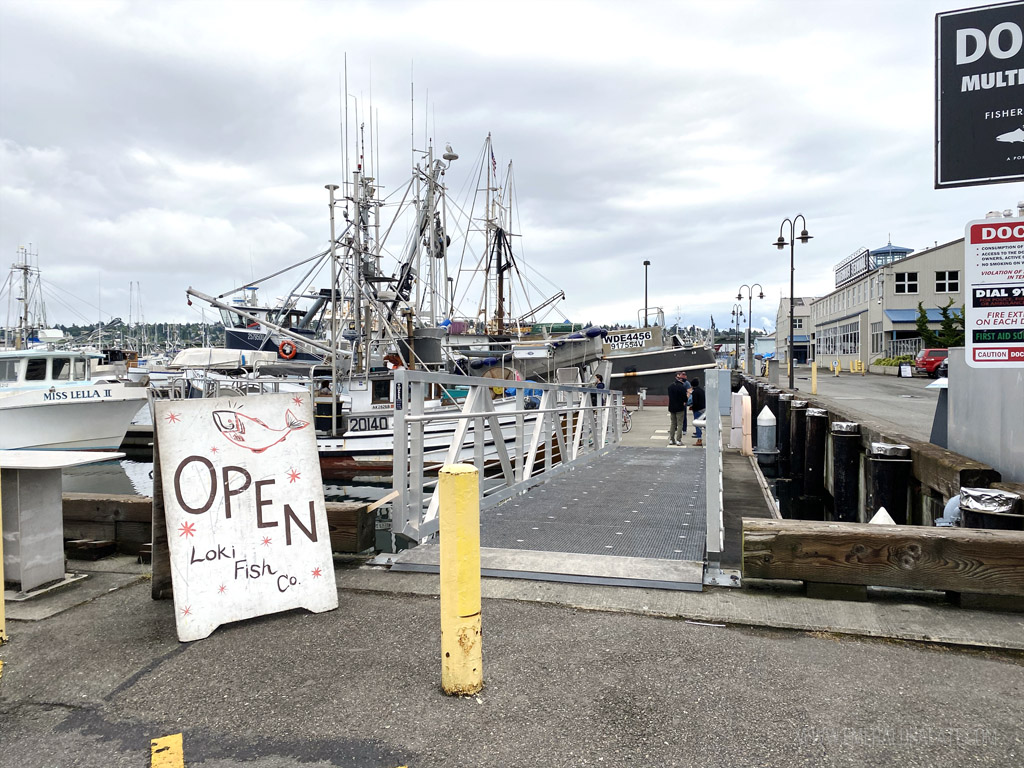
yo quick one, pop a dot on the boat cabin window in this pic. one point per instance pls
(382, 391)
(231, 320)
(36, 370)
(60, 369)
(9, 370)
(81, 370)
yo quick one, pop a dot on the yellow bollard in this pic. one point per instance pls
(814, 377)
(462, 669)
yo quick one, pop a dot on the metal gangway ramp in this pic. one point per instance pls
(633, 517)
(603, 513)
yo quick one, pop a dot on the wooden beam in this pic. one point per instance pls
(912, 557)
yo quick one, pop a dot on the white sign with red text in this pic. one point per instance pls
(244, 504)
(994, 278)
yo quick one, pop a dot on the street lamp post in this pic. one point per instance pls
(646, 265)
(737, 316)
(780, 244)
(750, 314)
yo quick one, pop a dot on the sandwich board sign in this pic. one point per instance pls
(994, 312)
(979, 77)
(244, 509)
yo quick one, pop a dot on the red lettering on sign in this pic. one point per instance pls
(997, 233)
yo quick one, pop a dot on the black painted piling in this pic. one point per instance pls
(845, 471)
(782, 432)
(889, 472)
(755, 408)
(784, 493)
(814, 463)
(797, 444)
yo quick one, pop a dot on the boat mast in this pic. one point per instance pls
(22, 338)
(331, 188)
(488, 224)
(431, 243)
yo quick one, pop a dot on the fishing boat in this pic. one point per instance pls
(343, 343)
(50, 399)
(646, 358)
(506, 334)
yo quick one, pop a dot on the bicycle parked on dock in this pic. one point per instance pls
(627, 420)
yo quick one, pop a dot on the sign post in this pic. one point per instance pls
(979, 80)
(244, 505)
(994, 272)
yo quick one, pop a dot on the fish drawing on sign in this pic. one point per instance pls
(252, 433)
(1012, 136)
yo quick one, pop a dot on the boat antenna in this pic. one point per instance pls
(412, 116)
(341, 122)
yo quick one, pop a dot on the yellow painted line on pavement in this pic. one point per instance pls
(167, 752)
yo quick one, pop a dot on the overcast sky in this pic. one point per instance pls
(172, 144)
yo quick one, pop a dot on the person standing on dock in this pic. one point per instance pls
(698, 404)
(597, 383)
(678, 394)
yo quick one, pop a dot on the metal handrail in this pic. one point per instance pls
(513, 447)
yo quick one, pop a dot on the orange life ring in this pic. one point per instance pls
(287, 349)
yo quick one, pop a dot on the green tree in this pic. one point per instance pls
(928, 336)
(952, 331)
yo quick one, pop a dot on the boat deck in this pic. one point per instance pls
(634, 517)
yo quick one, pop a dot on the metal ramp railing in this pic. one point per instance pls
(516, 440)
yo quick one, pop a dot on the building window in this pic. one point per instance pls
(906, 282)
(798, 323)
(827, 339)
(849, 338)
(876, 338)
(947, 282)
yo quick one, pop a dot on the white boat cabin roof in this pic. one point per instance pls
(39, 366)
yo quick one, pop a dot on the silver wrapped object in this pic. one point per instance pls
(890, 450)
(989, 500)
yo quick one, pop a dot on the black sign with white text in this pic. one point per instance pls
(979, 115)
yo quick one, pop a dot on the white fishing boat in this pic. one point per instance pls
(50, 399)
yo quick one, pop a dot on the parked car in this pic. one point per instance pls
(943, 369)
(928, 360)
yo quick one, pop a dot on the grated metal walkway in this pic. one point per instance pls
(634, 517)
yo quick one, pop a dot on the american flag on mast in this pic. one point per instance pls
(494, 163)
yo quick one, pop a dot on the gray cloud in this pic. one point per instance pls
(188, 143)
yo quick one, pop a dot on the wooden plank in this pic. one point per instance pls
(912, 557)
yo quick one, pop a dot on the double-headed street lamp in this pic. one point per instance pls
(750, 315)
(737, 317)
(780, 244)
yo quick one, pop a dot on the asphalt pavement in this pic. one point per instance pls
(564, 685)
(906, 405)
(574, 675)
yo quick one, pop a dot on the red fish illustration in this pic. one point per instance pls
(252, 433)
